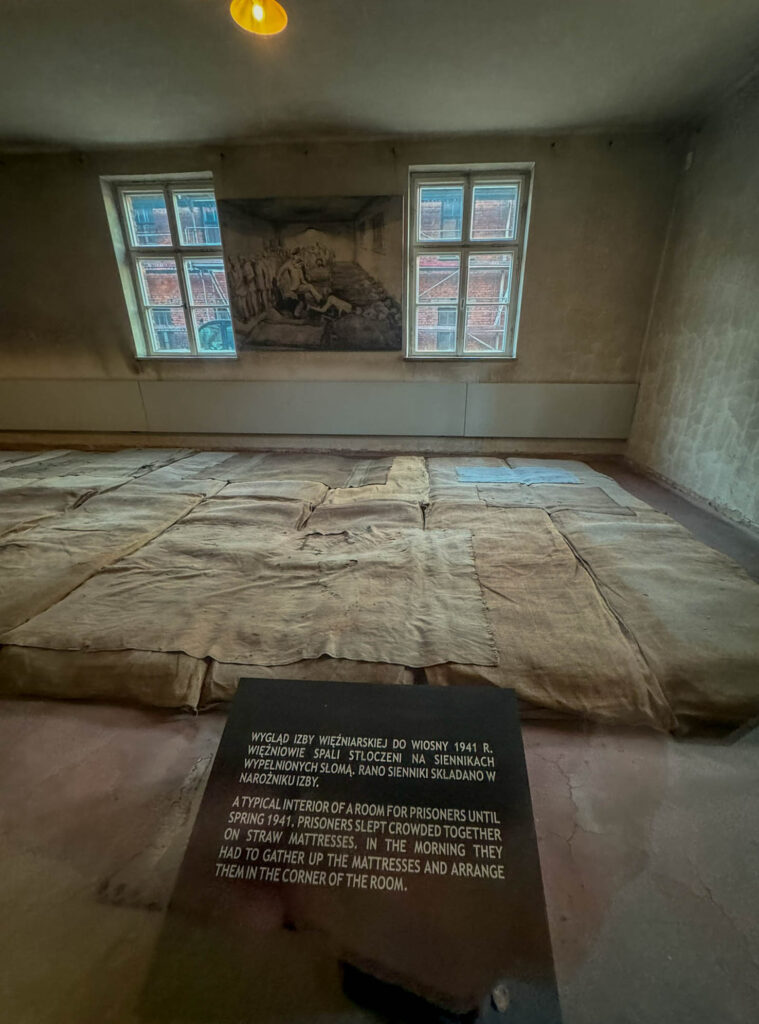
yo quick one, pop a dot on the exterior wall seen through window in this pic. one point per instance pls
(467, 234)
(171, 237)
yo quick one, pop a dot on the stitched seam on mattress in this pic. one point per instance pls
(97, 491)
(204, 700)
(484, 603)
(12, 532)
(105, 565)
(194, 693)
(87, 496)
(624, 628)
(302, 525)
(36, 459)
(305, 515)
(146, 471)
(466, 565)
(362, 470)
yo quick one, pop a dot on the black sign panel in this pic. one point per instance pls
(363, 853)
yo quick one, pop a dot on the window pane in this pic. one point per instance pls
(436, 328)
(440, 214)
(486, 328)
(148, 218)
(197, 218)
(168, 330)
(206, 282)
(494, 212)
(159, 281)
(437, 278)
(489, 277)
(213, 329)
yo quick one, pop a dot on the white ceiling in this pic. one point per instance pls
(101, 72)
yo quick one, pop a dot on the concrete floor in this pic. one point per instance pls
(649, 847)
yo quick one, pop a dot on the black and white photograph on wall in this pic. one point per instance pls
(315, 273)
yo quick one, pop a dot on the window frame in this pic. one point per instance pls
(469, 178)
(129, 254)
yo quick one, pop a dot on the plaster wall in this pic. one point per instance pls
(599, 214)
(697, 417)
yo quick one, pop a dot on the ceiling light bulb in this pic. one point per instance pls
(264, 17)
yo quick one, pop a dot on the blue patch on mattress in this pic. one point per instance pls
(506, 475)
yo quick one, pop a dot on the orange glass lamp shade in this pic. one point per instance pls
(264, 17)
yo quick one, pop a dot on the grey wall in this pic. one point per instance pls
(697, 418)
(599, 214)
(375, 408)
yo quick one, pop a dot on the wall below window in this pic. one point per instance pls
(379, 408)
(600, 208)
(697, 420)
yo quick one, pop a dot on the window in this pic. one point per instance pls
(378, 232)
(466, 253)
(168, 239)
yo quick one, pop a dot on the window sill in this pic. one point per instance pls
(460, 359)
(185, 358)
